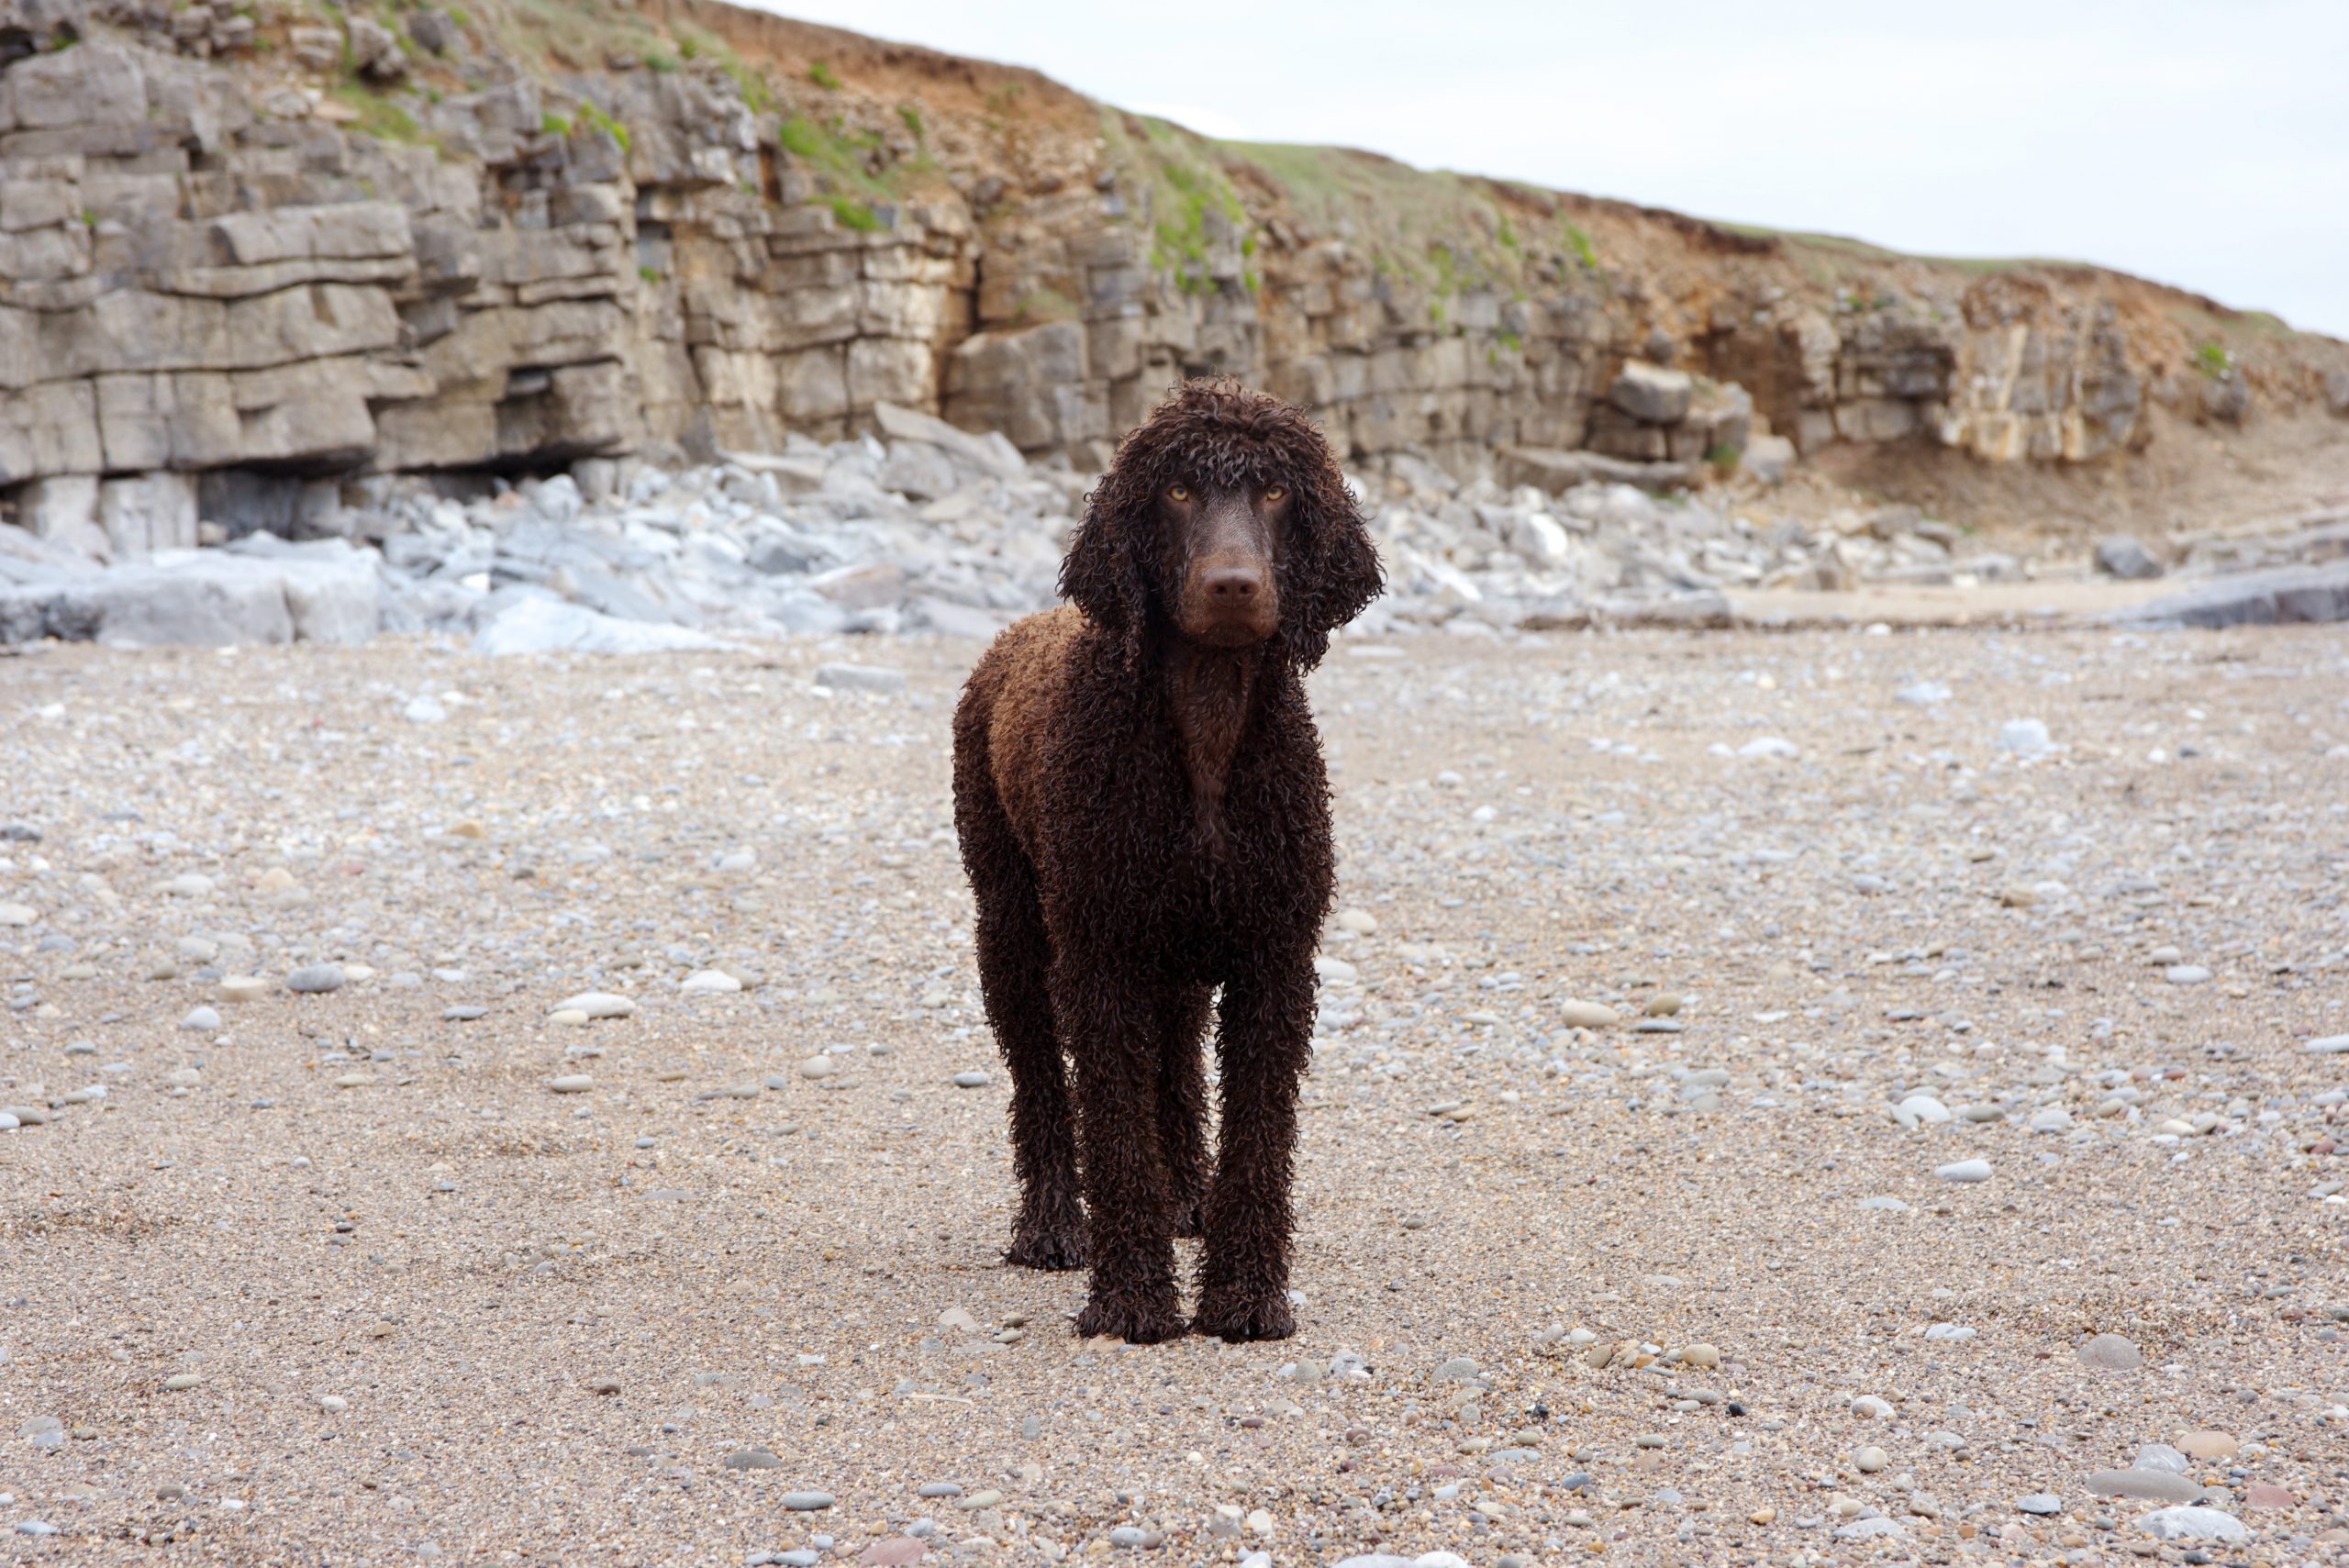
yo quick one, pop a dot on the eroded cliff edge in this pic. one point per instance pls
(248, 251)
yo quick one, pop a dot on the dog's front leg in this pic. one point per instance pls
(1111, 1017)
(1264, 1040)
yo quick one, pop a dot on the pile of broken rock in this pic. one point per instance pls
(922, 528)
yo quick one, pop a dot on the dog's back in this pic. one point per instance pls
(1006, 715)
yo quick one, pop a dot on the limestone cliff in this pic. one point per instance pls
(248, 251)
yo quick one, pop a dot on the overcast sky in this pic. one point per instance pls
(2203, 143)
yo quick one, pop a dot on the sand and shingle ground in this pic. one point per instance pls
(340, 1276)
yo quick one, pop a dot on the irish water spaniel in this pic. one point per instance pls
(1145, 820)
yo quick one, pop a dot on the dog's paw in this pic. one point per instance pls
(1047, 1247)
(1136, 1321)
(1236, 1314)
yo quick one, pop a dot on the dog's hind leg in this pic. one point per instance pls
(1182, 1109)
(1014, 961)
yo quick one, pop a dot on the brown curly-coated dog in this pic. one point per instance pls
(1145, 820)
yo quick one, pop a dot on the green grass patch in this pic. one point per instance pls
(378, 115)
(824, 76)
(2213, 360)
(851, 213)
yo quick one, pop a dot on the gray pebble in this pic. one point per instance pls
(2040, 1503)
(205, 1018)
(313, 979)
(462, 1013)
(807, 1502)
(752, 1459)
(800, 1557)
(974, 1079)
(1964, 1171)
(2112, 1352)
(939, 1489)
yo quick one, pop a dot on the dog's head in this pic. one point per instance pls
(1226, 519)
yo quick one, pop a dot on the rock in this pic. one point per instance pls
(893, 1551)
(1868, 1460)
(1700, 1354)
(1651, 393)
(1869, 1529)
(315, 979)
(2125, 556)
(2160, 1456)
(17, 914)
(1964, 1171)
(2209, 1447)
(598, 1005)
(2112, 1352)
(752, 1459)
(2041, 1503)
(2185, 974)
(2291, 594)
(572, 1083)
(1925, 1110)
(2331, 1045)
(2144, 1485)
(2266, 1495)
(200, 1018)
(972, 1079)
(1768, 458)
(709, 982)
(2193, 1524)
(1586, 1015)
(820, 1067)
(2024, 736)
(1459, 1369)
(860, 678)
(1867, 1406)
(243, 988)
(324, 592)
(535, 624)
(425, 710)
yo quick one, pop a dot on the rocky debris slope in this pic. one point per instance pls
(245, 250)
(933, 530)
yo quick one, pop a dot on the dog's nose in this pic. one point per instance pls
(1233, 585)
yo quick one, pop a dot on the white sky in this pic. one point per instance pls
(2199, 142)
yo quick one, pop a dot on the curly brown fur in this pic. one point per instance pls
(1145, 820)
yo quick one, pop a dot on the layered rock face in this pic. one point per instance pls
(245, 255)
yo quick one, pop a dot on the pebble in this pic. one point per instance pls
(603, 1385)
(1700, 1354)
(313, 979)
(243, 988)
(2266, 1495)
(2040, 1503)
(1361, 922)
(1587, 1014)
(1665, 1005)
(820, 1067)
(2113, 1352)
(424, 710)
(2144, 1485)
(807, 1502)
(860, 678)
(2331, 1045)
(334, 1404)
(2185, 974)
(752, 1459)
(1981, 1113)
(938, 1489)
(183, 1380)
(1868, 1408)
(1925, 1108)
(17, 914)
(1964, 1171)
(599, 1005)
(464, 1013)
(987, 1498)
(572, 1083)
(709, 982)
(2024, 736)
(972, 1079)
(2209, 1445)
(1868, 1529)
(2160, 1456)
(893, 1551)
(2194, 1524)
(1870, 1459)
(207, 1019)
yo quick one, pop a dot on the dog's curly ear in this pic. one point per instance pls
(1330, 569)
(1102, 574)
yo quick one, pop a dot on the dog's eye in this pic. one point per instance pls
(1179, 491)
(1274, 492)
